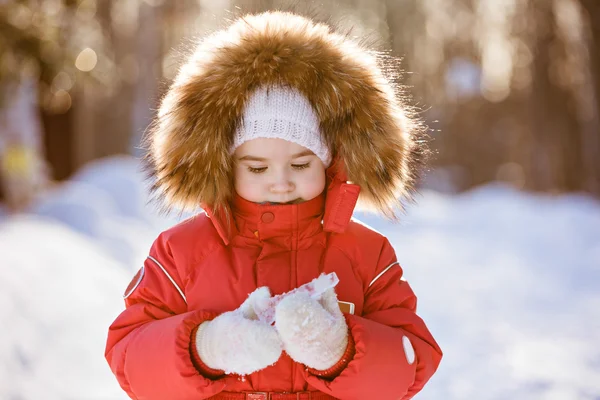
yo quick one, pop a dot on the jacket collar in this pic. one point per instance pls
(266, 221)
(333, 209)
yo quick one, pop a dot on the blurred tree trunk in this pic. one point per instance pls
(592, 8)
(149, 60)
(113, 116)
(554, 151)
(84, 140)
(59, 140)
(396, 18)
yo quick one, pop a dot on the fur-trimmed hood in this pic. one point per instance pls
(361, 117)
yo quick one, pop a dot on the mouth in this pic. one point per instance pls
(296, 201)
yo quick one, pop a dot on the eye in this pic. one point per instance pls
(257, 170)
(301, 166)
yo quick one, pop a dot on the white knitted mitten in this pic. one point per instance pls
(314, 332)
(236, 342)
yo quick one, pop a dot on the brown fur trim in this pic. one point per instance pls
(361, 118)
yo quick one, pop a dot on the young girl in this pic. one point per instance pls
(274, 126)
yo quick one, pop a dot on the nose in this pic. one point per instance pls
(282, 184)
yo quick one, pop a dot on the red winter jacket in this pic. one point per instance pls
(196, 271)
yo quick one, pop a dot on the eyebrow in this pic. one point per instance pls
(297, 155)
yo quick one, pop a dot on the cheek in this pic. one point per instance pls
(313, 184)
(247, 184)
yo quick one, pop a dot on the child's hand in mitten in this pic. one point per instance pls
(313, 332)
(237, 342)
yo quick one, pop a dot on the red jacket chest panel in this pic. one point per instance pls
(222, 280)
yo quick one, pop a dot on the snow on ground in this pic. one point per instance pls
(108, 202)
(510, 286)
(508, 283)
(59, 293)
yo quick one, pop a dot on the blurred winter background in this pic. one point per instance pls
(503, 248)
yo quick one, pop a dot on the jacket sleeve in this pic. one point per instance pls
(395, 355)
(148, 345)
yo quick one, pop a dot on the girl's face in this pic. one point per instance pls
(277, 171)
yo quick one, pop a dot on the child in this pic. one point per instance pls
(274, 126)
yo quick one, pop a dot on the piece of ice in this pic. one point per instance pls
(265, 308)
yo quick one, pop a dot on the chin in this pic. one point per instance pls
(295, 201)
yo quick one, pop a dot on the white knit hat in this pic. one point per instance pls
(281, 112)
